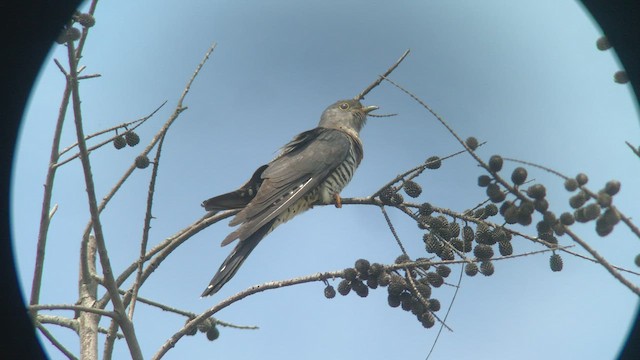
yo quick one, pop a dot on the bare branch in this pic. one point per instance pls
(393, 230)
(74, 308)
(71, 324)
(379, 80)
(145, 229)
(45, 219)
(137, 123)
(55, 342)
(602, 261)
(633, 148)
(127, 326)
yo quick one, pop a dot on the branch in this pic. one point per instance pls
(73, 307)
(178, 110)
(137, 123)
(602, 261)
(379, 80)
(127, 326)
(45, 219)
(55, 342)
(171, 342)
(633, 148)
(145, 229)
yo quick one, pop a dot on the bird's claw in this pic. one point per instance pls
(338, 200)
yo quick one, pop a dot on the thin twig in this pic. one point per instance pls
(602, 261)
(71, 324)
(127, 326)
(189, 314)
(145, 228)
(161, 251)
(55, 342)
(433, 346)
(393, 230)
(45, 219)
(424, 301)
(541, 167)
(109, 342)
(379, 80)
(416, 171)
(633, 148)
(171, 342)
(137, 123)
(459, 139)
(591, 194)
(72, 307)
(84, 77)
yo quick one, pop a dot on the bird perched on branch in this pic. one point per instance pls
(312, 168)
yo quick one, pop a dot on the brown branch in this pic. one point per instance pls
(55, 342)
(109, 342)
(393, 230)
(45, 219)
(633, 148)
(189, 314)
(379, 80)
(424, 301)
(137, 123)
(72, 307)
(71, 324)
(127, 326)
(416, 171)
(323, 276)
(84, 77)
(178, 110)
(145, 229)
(453, 299)
(602, 261)
(171, 342)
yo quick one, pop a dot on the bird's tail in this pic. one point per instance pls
(233, 262)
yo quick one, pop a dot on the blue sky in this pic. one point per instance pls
(524, 76)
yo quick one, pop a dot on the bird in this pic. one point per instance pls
(312, 168)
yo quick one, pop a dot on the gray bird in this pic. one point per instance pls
(312, 168)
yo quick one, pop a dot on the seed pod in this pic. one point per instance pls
(612, 187)
(483, 252)
(621, 77)
(213, 333)
(119, 142)
(603, 43)
(344, 287)
(537, 191)
(471, 269)
(433, 163)
(486, 268)
(142, 162)
(570, 184)
(484, 180)
(555, 262)
(86, 20)
(132, 138)
(471, 142)
(582, 179)
(329, 292)
(412, 188)
(519, 175)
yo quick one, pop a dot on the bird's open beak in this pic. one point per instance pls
(368, 109)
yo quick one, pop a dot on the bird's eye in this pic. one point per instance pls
(344, 106)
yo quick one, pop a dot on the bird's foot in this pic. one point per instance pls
(338, 200)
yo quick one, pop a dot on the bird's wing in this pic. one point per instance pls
(304, 164)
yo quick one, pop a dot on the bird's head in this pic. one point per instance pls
(347, 115)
